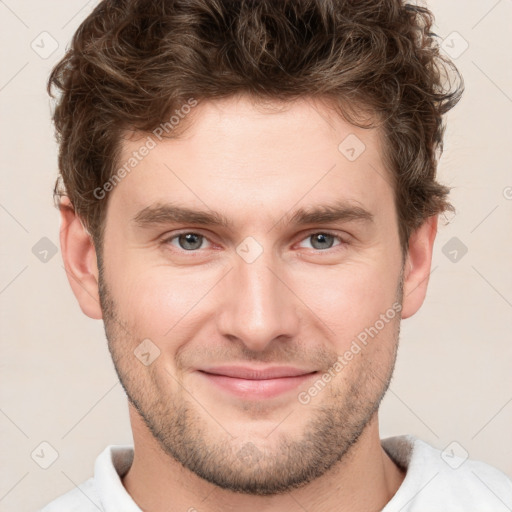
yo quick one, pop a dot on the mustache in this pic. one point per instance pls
(279, 353)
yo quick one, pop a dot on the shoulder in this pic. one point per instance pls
(104, 491)
(80, 499)
(448, 479)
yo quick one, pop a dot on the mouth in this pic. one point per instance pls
(256, 383)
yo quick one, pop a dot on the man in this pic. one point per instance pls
(249, 202)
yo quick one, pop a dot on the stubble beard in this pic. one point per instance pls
(248, 466)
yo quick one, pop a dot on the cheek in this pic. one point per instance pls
(157, 301)
(349, 299)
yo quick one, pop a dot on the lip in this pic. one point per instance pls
(256, 383)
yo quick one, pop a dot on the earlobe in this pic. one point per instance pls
(79, 255)
(417, 266)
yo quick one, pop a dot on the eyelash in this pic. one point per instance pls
(342, 241)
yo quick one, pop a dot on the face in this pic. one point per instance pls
(243, 308)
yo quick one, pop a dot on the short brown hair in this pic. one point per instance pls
(133, 62)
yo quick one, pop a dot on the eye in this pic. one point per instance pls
(190, 241)
(187, 241)
(323, 240)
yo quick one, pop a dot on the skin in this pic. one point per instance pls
(196, 445)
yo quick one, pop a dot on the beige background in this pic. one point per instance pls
(453, 380)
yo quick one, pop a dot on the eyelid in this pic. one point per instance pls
(166, 239)
(343, 241)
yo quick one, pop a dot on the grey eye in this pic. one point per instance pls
(190, 241)
(322, 240)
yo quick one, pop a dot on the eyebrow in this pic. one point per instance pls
(319, 214)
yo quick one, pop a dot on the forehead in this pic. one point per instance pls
(235, 154)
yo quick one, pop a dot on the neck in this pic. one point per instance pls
(365, 479)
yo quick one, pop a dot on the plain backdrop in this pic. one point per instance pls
(453, 380)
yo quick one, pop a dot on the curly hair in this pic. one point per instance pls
(131, 63)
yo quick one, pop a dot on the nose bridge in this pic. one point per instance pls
(258, 307)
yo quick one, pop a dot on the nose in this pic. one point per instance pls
(258, 306)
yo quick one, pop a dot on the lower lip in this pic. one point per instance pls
(256, 389)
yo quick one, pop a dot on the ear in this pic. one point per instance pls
(417, 266)
(79, 255)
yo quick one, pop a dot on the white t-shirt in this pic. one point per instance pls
(434, 482)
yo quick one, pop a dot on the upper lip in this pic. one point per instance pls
(253, 373)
